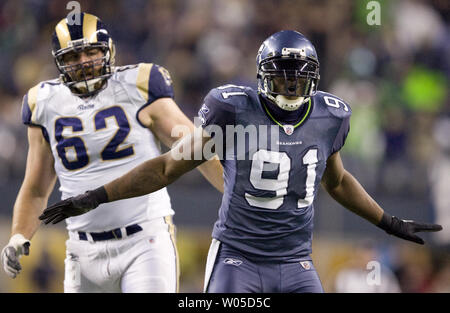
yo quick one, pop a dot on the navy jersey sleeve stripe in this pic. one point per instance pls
(159, 84)
(45, 134)
(26, 117)
(153, 83)
(26, 111)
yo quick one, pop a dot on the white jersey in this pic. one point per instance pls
(96, 140)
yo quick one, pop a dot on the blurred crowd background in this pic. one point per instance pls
(395, 76)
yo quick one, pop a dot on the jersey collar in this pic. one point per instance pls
(289, 128)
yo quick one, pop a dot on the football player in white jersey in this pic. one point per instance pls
(86, 128)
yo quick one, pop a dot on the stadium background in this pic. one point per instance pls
(394, 75)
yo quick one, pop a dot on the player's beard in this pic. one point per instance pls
(87, 78)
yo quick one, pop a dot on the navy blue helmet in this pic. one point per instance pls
(287, 69)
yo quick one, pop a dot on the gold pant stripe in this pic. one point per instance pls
(169, 222)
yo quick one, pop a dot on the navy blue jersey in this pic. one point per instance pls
(267, 208)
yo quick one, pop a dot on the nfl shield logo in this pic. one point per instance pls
(306, 265)
(288, 129)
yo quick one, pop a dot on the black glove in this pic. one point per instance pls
(405, 229)
(74, 206)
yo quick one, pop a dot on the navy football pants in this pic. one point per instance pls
(234, 273)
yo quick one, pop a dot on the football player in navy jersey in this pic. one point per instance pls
(262, 238)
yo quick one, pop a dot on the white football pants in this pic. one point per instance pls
(142, 262)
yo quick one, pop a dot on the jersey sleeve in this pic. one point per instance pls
(341, 110)
(216, 112)
(31, 112)
(153, 82)
(342, 134)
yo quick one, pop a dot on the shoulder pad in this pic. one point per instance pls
(126, 74)
(153, 82)
(222, 103)
(333, 104)
(119, 69)
(231, 94)
(142, 79)
(35, 98)
(148, 81)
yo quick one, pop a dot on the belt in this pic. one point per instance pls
(111, 234)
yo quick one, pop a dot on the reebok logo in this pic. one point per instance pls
(231, 261)
(85, 107)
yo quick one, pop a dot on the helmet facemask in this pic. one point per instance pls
(288, 82)
(85, 78)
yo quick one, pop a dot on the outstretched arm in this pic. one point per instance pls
(154, 174)
(346, 190)
(165, 119)
(146, 178)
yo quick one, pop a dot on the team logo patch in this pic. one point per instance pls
(231, 261)
(306, 265)
(165, 74)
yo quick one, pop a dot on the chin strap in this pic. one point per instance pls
(290, 105)
(88, 88)
(90, 85)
